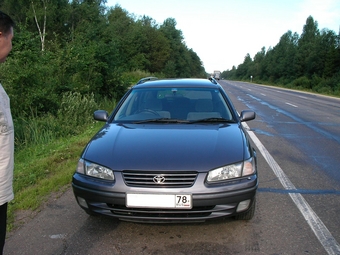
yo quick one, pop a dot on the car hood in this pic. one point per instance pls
(197, 147)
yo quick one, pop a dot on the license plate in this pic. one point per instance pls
(166, 201)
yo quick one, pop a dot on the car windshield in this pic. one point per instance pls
(174, 105)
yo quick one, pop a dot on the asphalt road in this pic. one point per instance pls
(297, 136)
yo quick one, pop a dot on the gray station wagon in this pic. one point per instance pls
(172, 150)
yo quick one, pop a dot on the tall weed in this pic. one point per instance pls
(48, 147)
(75, 112)
(35, 130)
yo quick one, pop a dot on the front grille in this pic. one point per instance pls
(203, 211)
(159, 179)
(196, 214)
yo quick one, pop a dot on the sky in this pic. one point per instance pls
(223, 32)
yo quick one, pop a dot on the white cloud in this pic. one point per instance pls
(222, 32)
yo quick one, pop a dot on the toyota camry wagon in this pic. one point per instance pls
(172, 150)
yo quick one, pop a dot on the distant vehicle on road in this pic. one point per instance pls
(217, 75)
(172, 151)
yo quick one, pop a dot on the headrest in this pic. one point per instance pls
(204, 105)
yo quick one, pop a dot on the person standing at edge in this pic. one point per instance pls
(6, 131)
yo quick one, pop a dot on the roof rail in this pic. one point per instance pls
(147, 79)
(213, 80)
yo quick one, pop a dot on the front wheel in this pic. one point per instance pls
(91, 213)
(249, 214)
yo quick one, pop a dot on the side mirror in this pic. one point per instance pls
(101, 115)
(247, 115)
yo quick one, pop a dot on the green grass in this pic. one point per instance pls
(47, 151)
(43, 169)
(48, 146)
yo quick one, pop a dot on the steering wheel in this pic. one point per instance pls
(149, 111)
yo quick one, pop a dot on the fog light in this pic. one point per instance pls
(242, 206)
(82, 202)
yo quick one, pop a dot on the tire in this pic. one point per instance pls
(91, 213)
(249, 214)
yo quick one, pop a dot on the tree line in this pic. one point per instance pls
(83, 46)
(310, 61)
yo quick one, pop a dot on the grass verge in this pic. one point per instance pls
(43, 169)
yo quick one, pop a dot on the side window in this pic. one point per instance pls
(222, 107)
(128, 107)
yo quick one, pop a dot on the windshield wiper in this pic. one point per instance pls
(161, 120)
(212, 120)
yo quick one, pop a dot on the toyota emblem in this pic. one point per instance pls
(159, 179)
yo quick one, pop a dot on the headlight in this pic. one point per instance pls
(95, 170)
(232, 171)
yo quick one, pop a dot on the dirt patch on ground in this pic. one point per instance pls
(21, 217)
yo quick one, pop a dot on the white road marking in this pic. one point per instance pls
(263, 94)
(303, 97)
(326, 239)
(291, 104)
(58, 236)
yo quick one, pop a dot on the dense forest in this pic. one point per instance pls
(83, 46)
(310, 61)
(71, 57)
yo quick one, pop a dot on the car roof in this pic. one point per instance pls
(150, 82)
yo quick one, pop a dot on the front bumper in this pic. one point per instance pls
(209, 201)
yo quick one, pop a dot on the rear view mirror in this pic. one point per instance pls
(101, 115)
(247, 115)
